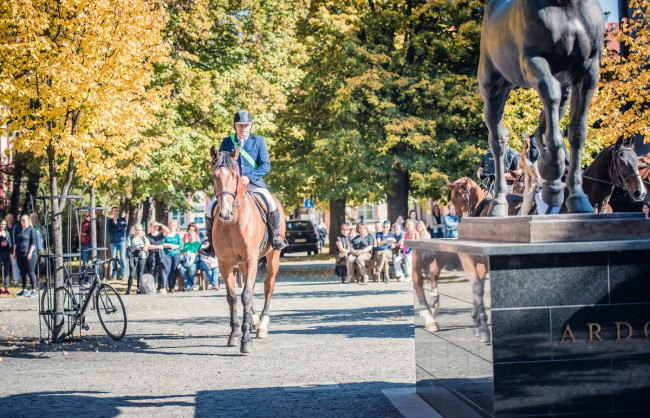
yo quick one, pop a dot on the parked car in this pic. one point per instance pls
(301, 236)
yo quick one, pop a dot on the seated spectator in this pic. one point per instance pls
(421, 229)
(360, 252)
(407, 252)
(383, 254)
(190, 261)
(451, 222)
(396, 248)
(646, 210)
(210, 266)
(342, 250)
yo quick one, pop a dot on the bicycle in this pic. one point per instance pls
(107, 302)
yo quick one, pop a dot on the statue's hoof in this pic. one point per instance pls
(233, 340)
(579, 204)
(262, 333)
(498, 209)
(246, 347)
(432, 327)
(553, 192)
(484, 337)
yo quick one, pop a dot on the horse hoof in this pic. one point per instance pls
(484, 337)
(578, 204)
(553, 193)
(432, 327)
(255, 321)
(262, 333)
(246, 347)
(233, 339)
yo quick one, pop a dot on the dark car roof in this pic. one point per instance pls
(299, 225)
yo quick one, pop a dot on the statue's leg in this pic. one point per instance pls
(578, 202)
(495, 94)
(551, 162)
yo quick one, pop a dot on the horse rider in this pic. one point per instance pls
(486, 172)
(254, 163)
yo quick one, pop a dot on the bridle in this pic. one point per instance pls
(469, 199)
(235, 202)
(618, 179)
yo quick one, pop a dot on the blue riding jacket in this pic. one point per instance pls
(255, 146)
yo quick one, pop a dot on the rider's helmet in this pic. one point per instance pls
(243, 116)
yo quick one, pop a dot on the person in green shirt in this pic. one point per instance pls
(172, 245)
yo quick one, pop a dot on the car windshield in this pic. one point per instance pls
(295, 226)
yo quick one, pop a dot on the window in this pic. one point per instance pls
(181, 218)
(367, 211)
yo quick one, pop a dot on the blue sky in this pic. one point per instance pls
(610, 6)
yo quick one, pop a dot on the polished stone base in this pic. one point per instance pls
(533, 329)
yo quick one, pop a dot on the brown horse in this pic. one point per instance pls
(237, 238)
(615, 166)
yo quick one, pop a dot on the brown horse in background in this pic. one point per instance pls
(237, 237)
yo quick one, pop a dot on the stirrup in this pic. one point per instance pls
(206, 249)
(279, 245)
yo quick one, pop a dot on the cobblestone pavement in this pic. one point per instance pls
(331, 349)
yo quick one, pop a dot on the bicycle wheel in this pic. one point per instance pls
(48, 309)
(110, 311)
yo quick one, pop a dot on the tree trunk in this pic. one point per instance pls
(134, 210)
(14, 203)
(33, 179)
(149, 210)
(162, 212)
(397, 200)
(337, 217)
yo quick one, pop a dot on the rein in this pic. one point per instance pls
(620, 179)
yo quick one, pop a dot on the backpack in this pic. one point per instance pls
(147, 284)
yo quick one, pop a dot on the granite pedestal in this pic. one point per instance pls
(534, 328)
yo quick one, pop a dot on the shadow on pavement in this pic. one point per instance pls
(350, 399)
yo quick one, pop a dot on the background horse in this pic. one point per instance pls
(555, 47)
(615, 166)
(237, 237)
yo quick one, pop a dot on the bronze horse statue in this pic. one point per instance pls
(238, 240)
(555, 47)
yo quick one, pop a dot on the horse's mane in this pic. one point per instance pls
(225, 160)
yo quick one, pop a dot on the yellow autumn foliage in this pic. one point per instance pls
(73, 85)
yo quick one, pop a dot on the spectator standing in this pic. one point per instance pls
(342, 250)
(383, 255)
(172, 244)
(407, 252)
(451, 222)
(396, 248)
(137, 249)
(421, 229)
(646, 210)
(413, 215)
(24, 248)
(321, 228)
(437, 225)
(116, 229)
(6, 248)
(157, 261)
(85, 237)
(11, 229)
(360, 252)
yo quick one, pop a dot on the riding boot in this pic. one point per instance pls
(279, 242)
(206, 248)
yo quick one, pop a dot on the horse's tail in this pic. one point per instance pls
(261, 270)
